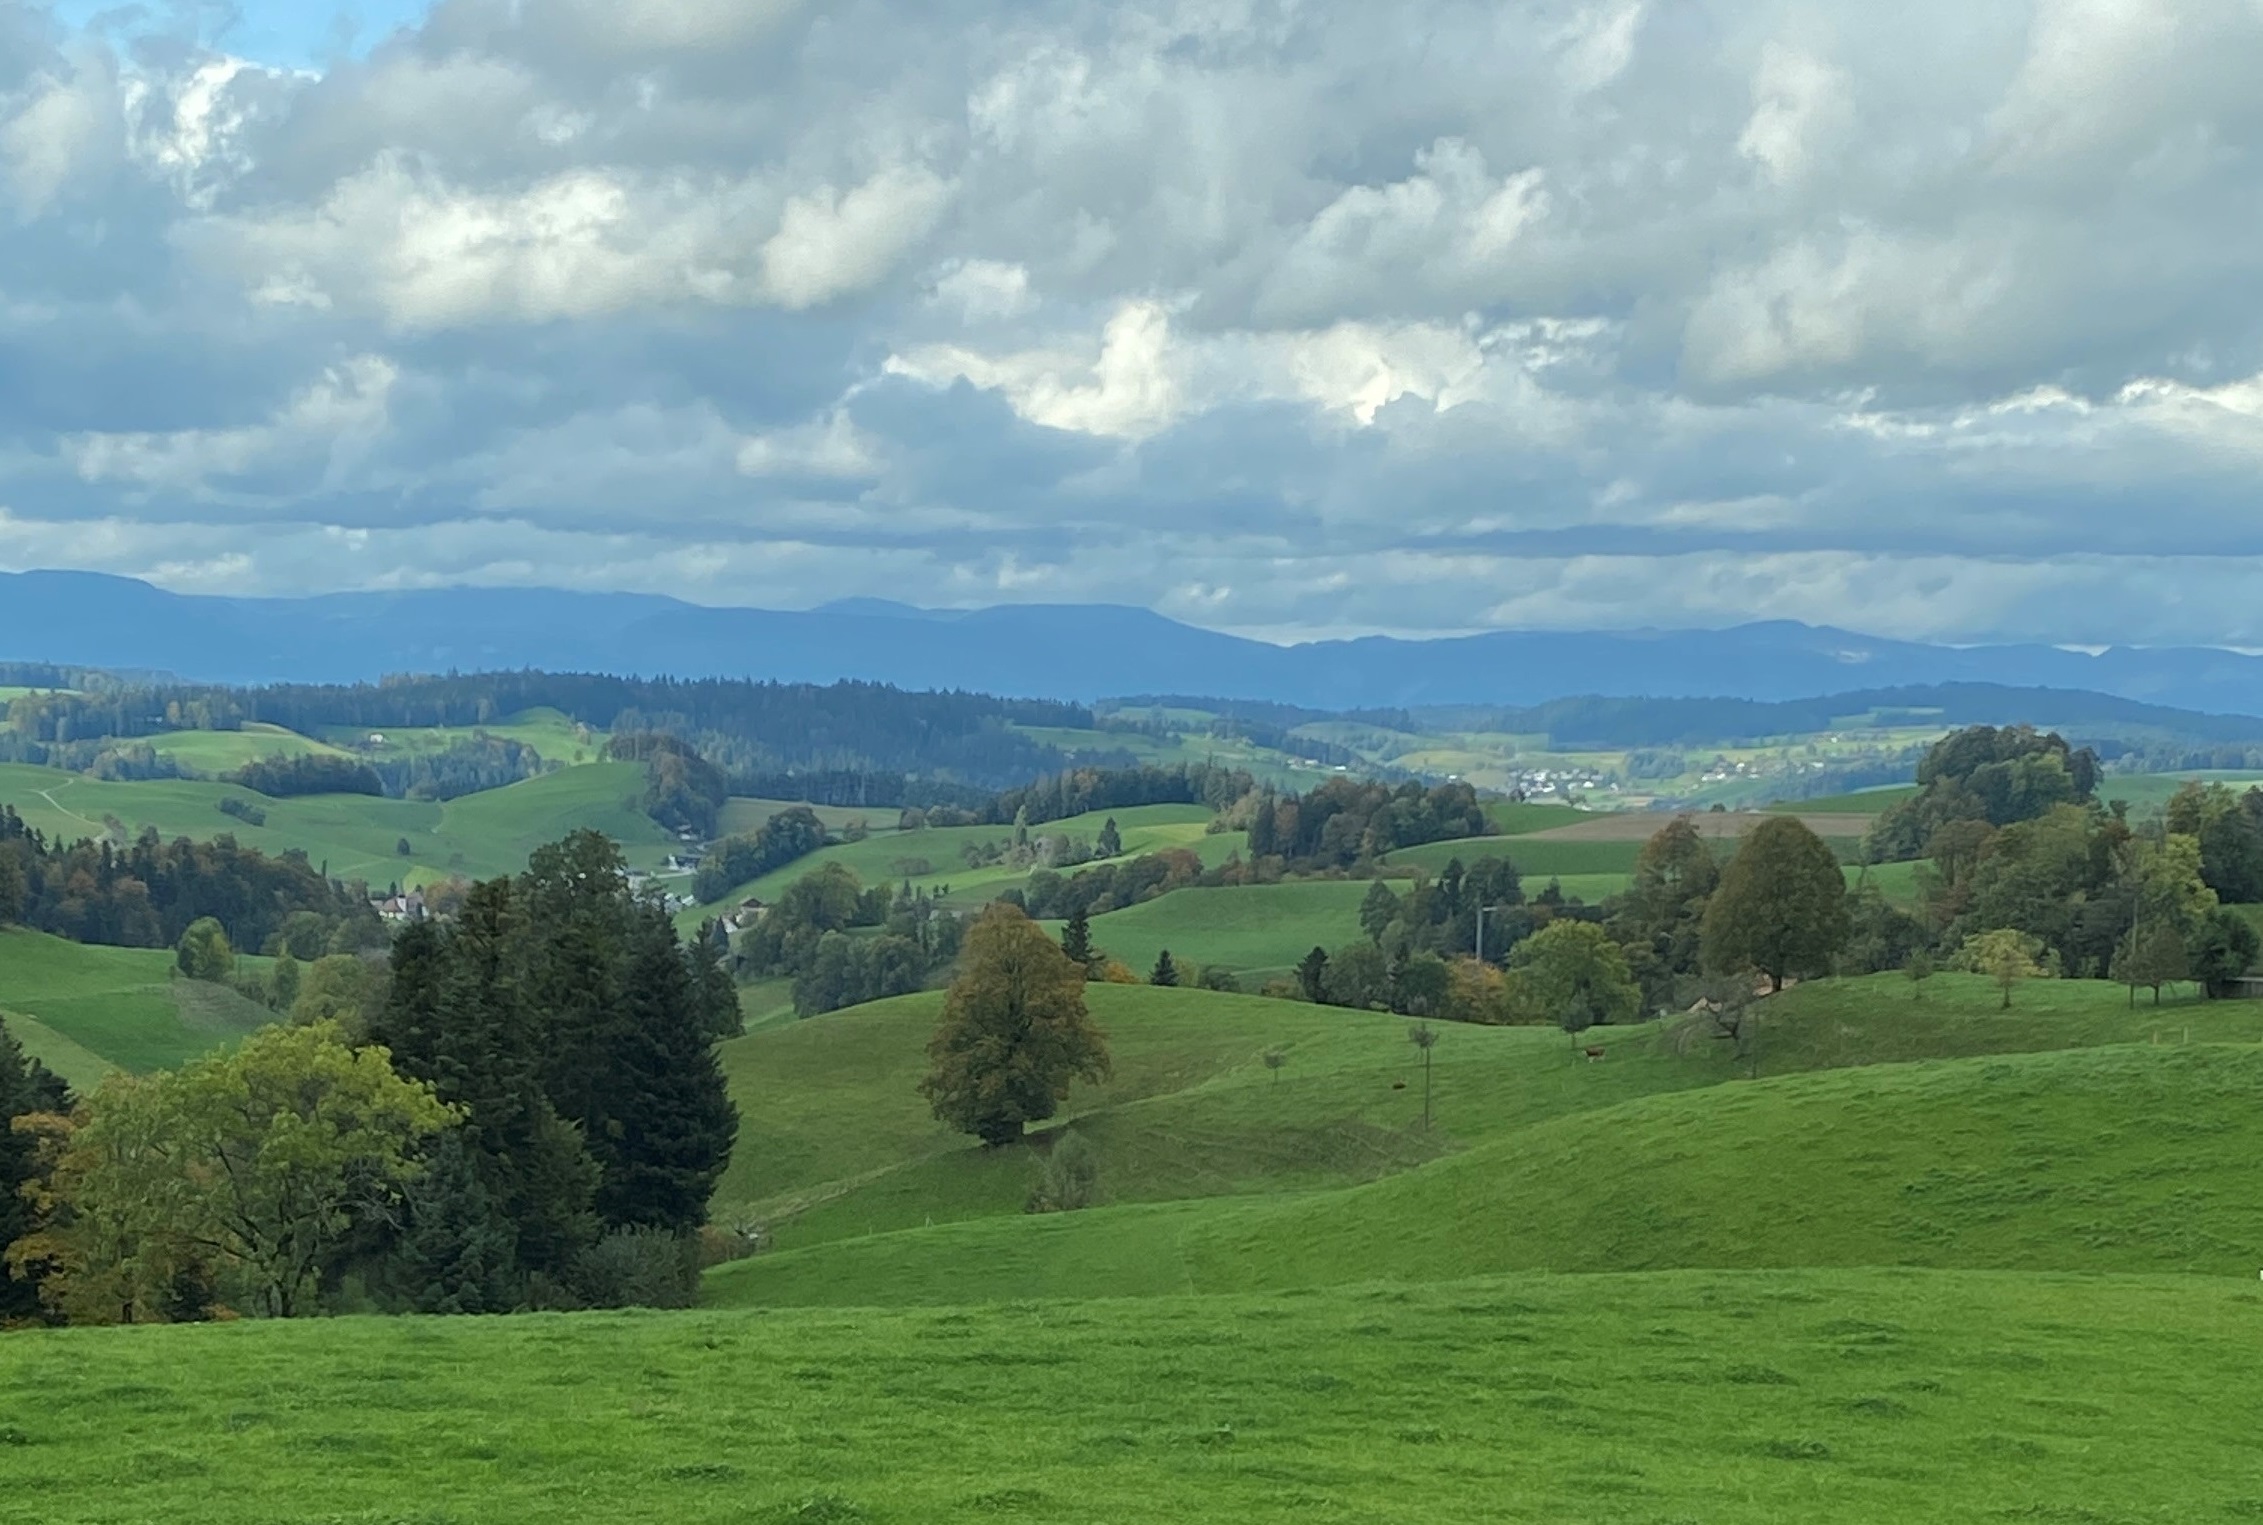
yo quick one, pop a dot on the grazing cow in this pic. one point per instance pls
(1593, 1054)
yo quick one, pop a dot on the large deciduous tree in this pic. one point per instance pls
(1571, 973)
(1015, 1033)
(1781, 906)
(253, 1166)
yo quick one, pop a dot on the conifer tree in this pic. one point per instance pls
(26, 1087)
(667, 1120)
(1312, 976)
(455, 1253)
(1377, 911)
(1165, 972)
(1076, 942)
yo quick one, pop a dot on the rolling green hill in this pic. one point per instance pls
(934, 859)
(2133, 1158)
(836, 1142)
(480, 835)
(83, 1010)
(226, 751)
(1774, 1398)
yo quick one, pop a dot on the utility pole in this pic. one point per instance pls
(1481, 914)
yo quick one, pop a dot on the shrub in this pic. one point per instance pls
(1069, 1178)
(639, 1268)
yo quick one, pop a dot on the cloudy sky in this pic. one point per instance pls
(1290, 317)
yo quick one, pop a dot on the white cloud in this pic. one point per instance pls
(1933, 318)
(830, 244)
(52, 131)
(1799, 107)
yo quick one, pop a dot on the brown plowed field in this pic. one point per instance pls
(1641, 825)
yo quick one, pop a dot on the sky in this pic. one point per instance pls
(1288, 317)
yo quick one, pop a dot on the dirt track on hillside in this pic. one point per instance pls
(1641, 825)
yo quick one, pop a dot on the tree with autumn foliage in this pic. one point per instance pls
(1015, 1034)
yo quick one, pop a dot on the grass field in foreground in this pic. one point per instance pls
(1779, 1398)
(96, 1007)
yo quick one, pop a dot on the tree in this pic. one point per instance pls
(456, 1252)
(28, 1089)
(1421, 984)
(456, 1016)
(401, 848)
(1378, 910)
(1076, 942)
(1424, 1037)
(2007, 956)
(1015, 1034)
(2224, 950)
(1919, 967)
(1572, 974)
(1312, 976)
(2151, 957)
(343, 988)
(283, 982)
(259, 1162)
(11, 886)
(1781, 905)
(1110, 842)
(203, 952)
(1358, 976)
(1219, 978)
(1165, 972)
(666, 1124)
(1674, 877)
(1274, 1059)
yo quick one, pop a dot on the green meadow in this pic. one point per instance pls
(1255, 930)
(933, 859)
(86, 1010)
(218, 752)
(1762, 1398)
(557, 738)
(357, 836)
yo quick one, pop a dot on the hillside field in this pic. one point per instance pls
(934, 859)
(357, 836)
(1773, 1398)
(84, 1010)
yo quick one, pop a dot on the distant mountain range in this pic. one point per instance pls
(1062, 651)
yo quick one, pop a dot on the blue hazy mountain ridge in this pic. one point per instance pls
(1064, 651)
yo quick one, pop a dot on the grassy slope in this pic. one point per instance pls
(548, 731)
(115, 1006)
(836, 1142)
(224, 751)
(892, 857)
(2130, 1158)
(356, 835)
(1768, 1399)
(837, 1093)
(1255, 930)
(742, 814)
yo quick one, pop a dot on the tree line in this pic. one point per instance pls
(148, 893)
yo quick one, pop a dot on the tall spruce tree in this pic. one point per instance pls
(455, 1253)
(667, 1120)
(26, 1087)
(456, 1016)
